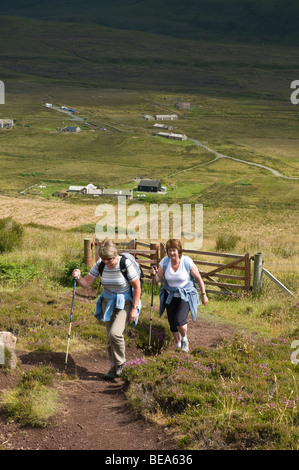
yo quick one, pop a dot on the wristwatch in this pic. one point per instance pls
(134, 306)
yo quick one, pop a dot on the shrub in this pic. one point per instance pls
(66, 278)
(226, 242)
(17, 272)
(160, 337)
(11, 234)
(286, 250)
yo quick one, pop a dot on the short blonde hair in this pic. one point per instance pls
(108, 249)
(175, 244)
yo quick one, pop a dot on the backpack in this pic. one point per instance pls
(123, 267)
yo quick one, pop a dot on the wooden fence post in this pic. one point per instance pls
(96, 249)
(132, 244)
(162, 251)
(257, 273)
(154, 246)
(247, 272)
(88, 252)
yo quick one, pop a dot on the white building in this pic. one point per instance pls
(91, 190)
(6, 123)
(171, 135)
(76, 189)
(166, 117)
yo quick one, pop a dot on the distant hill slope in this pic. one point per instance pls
(250, 21)
(91, 54)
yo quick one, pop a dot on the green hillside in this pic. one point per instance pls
(237, 47)
(92, 55)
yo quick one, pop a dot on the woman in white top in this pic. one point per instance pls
(178, 293)
(119, 302)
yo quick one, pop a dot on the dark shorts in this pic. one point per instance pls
(177, 313)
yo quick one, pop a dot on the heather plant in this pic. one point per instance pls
(240, 394)
(158, 337)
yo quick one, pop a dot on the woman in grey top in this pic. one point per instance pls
(119, 303)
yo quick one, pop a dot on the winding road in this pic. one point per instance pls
(197, 142)
(220, 155)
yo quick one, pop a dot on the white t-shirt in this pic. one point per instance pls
(181, 276)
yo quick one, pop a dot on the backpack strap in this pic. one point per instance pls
(186, 264)
(188, 269)
(101, 267)
(123, 269)
(123, 266)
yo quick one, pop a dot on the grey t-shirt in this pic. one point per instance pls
(112, 279)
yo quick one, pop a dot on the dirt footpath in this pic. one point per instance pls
(94, 414)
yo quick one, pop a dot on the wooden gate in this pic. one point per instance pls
(232, 276)
(219, 276)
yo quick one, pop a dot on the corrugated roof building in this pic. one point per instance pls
(150, 186)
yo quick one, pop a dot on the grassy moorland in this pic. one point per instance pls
(239, 394)
(252, 21)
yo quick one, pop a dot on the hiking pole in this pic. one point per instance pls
(70, 327)
(151, 315)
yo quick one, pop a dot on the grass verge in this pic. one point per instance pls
(34, 401)
(242, 394)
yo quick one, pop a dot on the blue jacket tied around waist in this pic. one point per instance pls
(188, 293)
(114, 300)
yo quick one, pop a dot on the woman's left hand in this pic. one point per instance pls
(133, 314)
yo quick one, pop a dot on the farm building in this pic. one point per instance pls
(92, 190)
(166, 117)
(162, 126)
(71, 129)
(182, 105)
(6, 123)
(148, 117)
(150, 186)
(61, 194)
(171, 135)
(76, 189)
